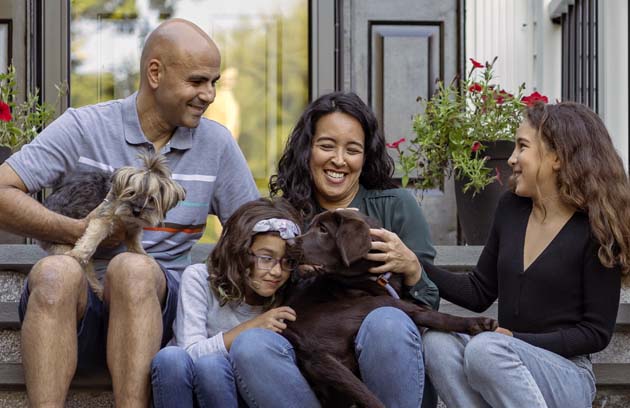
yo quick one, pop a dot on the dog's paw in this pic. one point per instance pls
(79, 256)
(482, 324)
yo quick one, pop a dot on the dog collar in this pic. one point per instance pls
(383, 280)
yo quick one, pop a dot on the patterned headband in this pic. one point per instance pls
(286, 228)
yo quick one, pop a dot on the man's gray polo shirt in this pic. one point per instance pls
(206, 161)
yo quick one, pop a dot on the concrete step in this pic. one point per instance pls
(612, 366)
(76, 399)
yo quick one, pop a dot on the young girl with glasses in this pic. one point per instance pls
(240, 288)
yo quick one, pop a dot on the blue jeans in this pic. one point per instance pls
(178, 381)
(388, 348)
(492, 369)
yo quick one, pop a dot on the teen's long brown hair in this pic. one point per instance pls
(591, 177)
(229, 264)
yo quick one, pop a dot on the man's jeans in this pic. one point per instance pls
(177, 381)
(388, 347)
(492, 369)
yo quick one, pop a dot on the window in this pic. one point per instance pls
(579, 51)
(264, 83)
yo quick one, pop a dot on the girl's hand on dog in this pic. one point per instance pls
(274, 319)
(395, 255)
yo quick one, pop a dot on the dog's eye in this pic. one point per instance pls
(323, 230)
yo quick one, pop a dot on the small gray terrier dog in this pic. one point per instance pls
(131, 197)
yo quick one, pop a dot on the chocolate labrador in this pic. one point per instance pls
(335, 295)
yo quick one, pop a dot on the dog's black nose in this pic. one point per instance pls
(136, 212)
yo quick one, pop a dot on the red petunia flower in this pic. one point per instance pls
(500, 98)
(5, 112)
(476, 64)
(394, 145)
(475, 146)
(534, 97)
(476, 87)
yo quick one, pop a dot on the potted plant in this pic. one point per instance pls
(20, 122)
(466, 131)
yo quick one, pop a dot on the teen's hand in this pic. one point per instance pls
(395, 255)
(274, 319)
(504, 331)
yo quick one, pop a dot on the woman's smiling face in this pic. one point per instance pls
(337, 157)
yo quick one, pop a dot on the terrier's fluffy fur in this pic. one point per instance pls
(132, 197)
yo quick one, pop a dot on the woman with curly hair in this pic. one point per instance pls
(557, 250)
(336, 158)
(240, 288)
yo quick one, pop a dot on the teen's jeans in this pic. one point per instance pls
(492, 369)
(178, 381)
(388, 348)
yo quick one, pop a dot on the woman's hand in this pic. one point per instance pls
(273, 319)
(395, 255)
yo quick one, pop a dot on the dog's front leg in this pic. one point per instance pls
(97, 230)
(133, 240)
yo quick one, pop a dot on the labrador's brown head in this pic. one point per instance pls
(335, 240)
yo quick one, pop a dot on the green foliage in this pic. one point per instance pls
(272, 87)
(458, 122)
(27, 118)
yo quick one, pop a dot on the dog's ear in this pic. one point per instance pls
(352, 237)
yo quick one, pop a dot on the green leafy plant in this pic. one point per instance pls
(458, 123)
(21, 122)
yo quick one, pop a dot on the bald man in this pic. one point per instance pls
(65, 325)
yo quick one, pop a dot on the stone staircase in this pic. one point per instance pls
(612, 366)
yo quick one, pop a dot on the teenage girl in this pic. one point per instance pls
(558, 247)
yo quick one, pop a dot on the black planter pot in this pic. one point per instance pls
(7, 237)
(5, 152)
(475, 213)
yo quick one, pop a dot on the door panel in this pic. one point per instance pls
(392, 53)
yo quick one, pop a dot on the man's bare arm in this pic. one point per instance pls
(23, 215)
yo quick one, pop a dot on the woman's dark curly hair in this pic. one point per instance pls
(229, 264)
(294, 179)
(591, 176)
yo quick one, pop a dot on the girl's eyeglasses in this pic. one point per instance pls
(267, 263)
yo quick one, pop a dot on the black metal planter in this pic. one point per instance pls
(475, 213)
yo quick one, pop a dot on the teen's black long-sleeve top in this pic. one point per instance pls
(565, 302)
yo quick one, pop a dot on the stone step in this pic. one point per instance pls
(612, 366)
(75, 399)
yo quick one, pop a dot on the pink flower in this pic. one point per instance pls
(394, 145)
(476, 64)
(475, 146)
(475, 87)
(5, 112)
(530, 100)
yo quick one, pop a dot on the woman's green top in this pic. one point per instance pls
(399, 212)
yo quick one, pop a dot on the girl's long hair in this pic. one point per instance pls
(294, 179)
(230, 265)
(591, 177)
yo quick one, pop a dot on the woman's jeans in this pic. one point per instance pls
(178, 381)
(492, 369)
(388, 348)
